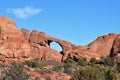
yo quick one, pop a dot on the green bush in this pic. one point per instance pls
(96, 73)
(89, 73)
(68, 62)
(82, 62)
(93, 61)
(33, 63)
(111, 74)
(77, 75)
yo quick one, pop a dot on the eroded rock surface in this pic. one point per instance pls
(13, 45)
(40, 45)
(102, 45)
(115, 51)
(21, 45)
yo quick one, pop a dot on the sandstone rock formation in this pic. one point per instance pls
(115, 50)
(21, 45)
(116, 46)
(102, 45)
(13, 45)
(40, 45)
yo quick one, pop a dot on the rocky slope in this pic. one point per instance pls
(21, 45)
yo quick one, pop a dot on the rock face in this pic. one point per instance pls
(115, 51)
(102, 45)
(116, 46)
(13, 45)
(83, 52)
(21, 45)
(40, 45)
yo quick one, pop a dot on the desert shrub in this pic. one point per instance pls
(82, 62)
(67, 65)
(118, 67)
(93, 61)
(52, 62)
(68, 62)
(57, 68)
(68, 70)
(14, 72)
(77, 75)
(96, 73)
(112, 74)
(33, 63)
(89, 73)
(108, 61)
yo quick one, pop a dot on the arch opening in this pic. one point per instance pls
(56, 46)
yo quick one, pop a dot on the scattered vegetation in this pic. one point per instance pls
(96, 73)
(108, 61)
(58, 68)
(14, 72)
(88, 73)
(68, 62)
(118, 67)
(33, 63)
(106, 71)
(93, 61)
(82, 62)
(81, 70)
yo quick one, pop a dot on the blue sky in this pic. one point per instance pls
(77, 21)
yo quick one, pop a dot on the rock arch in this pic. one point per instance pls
(51, 41)
(42, 40)
(16, 45)
(58, 45)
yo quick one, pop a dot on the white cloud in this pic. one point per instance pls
(24, 12)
